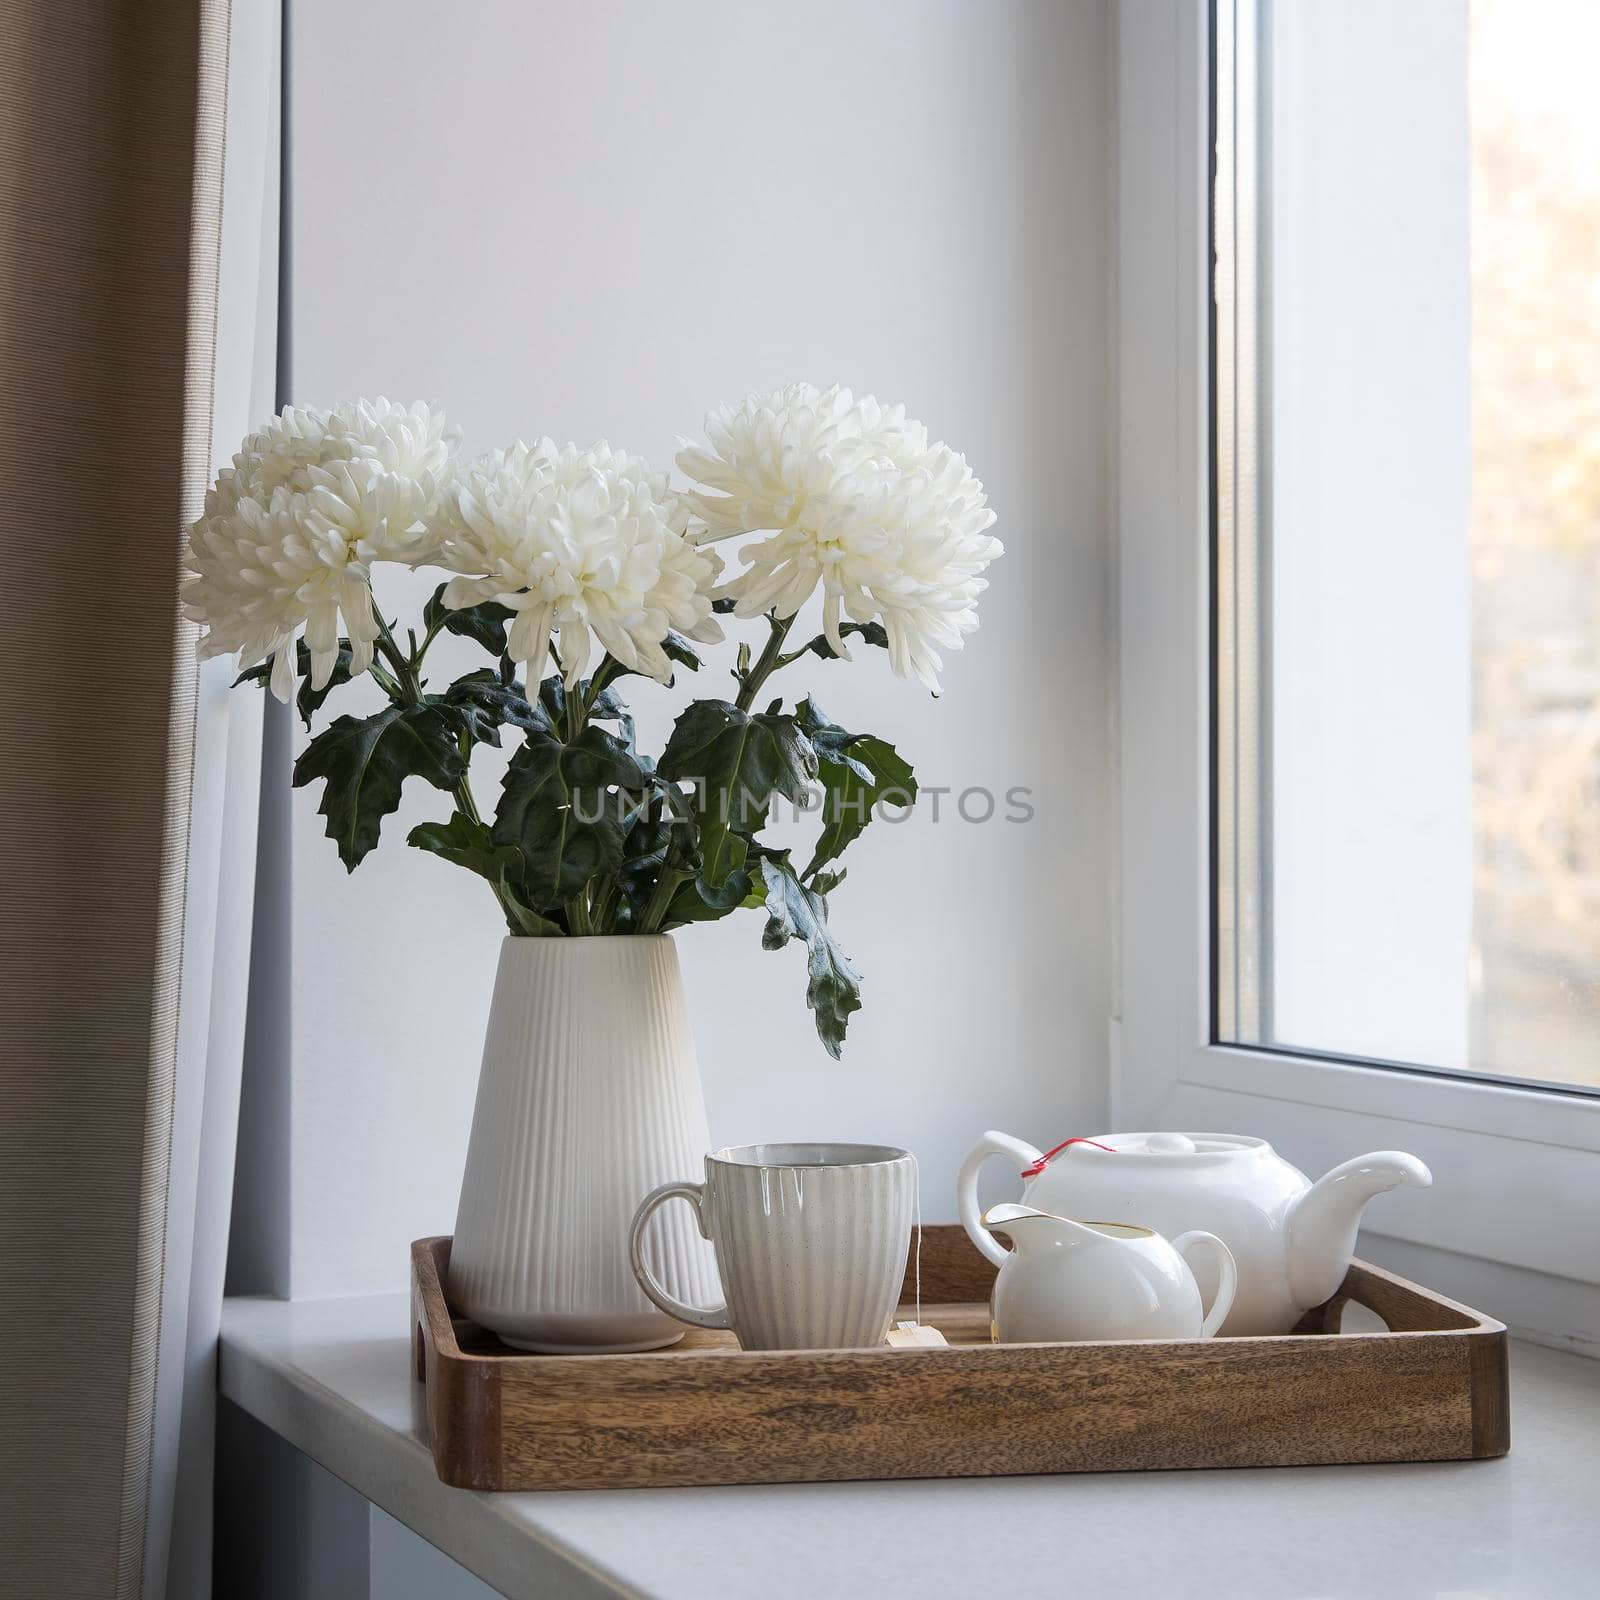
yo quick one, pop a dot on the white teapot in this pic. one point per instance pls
(1101, 1280)
(1292, 1239)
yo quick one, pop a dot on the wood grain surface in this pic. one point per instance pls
(1433, 1388)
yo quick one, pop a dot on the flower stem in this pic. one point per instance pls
(666, 887)
(406, 690)
(604, 906)
(421, 650)
(580, 705)
(386, 683)
(607, 670)
(768, 662)
(404, 669)
(463, 790)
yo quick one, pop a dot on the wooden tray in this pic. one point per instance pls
(1433, 1388)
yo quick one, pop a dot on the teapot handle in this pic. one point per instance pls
(1021, 1154)
(1227, 1276)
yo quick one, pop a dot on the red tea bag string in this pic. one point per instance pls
(1044, 1160)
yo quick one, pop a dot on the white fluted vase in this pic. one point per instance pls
(589, 1097)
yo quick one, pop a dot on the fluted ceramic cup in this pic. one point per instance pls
(811, 1242)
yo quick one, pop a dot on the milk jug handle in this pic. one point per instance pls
(1227, 1276)
(1020, 1154)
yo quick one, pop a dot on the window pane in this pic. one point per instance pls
(1408, 516)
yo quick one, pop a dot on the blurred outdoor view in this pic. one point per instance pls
(1535, 117)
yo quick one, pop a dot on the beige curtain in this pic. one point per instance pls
(112, 115)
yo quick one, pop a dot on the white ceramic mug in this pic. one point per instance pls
(811, 1242)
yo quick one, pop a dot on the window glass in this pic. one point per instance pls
(1407, 801)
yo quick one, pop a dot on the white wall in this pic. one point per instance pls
(601, 219)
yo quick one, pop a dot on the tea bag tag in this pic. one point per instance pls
(909, 1334)
(914, 1335)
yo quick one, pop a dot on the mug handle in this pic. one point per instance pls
(1227, 1276)
(1017, 1151)
(695, 1194)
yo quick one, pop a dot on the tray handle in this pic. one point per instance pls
(695, 1194)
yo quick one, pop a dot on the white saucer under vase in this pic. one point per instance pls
(589, 1097)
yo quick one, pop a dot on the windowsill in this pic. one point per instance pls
(333, 1378)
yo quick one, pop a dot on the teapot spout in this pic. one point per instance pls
(1323, 1222)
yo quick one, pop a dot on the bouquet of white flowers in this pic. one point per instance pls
(567, 554)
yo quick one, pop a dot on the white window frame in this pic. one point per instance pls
(1513, 1219)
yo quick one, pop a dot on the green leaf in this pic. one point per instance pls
(737, 762)
(466, 843)
(556, 810)
(627, 734)
(661, 825)
(608, 705)
(677, 648)
(697, 901)
(870, 633)
(308, 700)
(488, 699)
(796, 912)
(521, 920)
(363, 762)
(674, 646)
(658, 833)
(858, 771)
(485, 624)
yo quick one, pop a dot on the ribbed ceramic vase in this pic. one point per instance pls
(589, 1097)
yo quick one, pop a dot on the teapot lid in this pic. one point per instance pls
(1188, 1148)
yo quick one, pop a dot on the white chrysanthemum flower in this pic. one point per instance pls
(856, 503)
(578, 543)
(291, 529)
